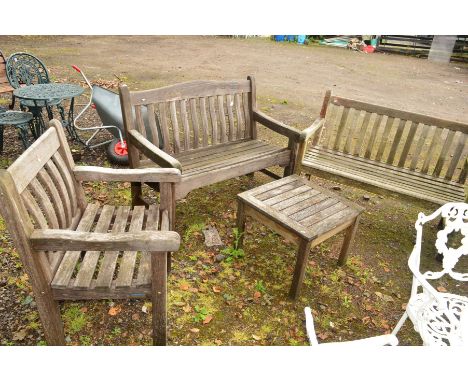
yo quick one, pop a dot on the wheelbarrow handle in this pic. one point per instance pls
(76, 68)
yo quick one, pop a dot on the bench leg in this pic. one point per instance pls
(299, 270)
(240, 222)
(348, 239)
(49, 314)
(159, 296)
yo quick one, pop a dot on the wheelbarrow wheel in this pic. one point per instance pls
(117, 153)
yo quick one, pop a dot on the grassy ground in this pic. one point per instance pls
(243, 301)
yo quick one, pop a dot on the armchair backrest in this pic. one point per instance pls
(455, 216)
(39, 190)
(191, 115)
(26, 69)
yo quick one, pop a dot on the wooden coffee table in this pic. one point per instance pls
(303, 213)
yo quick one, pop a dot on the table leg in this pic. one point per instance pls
(240, 222)
(348, 239)
(299, 270)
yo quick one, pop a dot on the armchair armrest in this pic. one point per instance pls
(67, 240)
(151, 151)
(94, 173)
(280, 128)
(312, 129)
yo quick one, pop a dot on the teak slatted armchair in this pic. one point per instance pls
(207, 129)
(75, 250)
(412, 154)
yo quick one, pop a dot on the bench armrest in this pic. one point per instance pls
(279, 127)
(94, 173)
(67, 240)
(312, 129)
(151, 151)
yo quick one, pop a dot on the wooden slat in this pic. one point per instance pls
(307, 213)
(362, 134)
(351, 130)
(313, 199)
(286, 195)
(332, 208)
(460, 145)
(443, 154)
(152, 124)
(175, 127)
(333, 117)
(195, 123)
(295, 199)
(164, 127)
(65, 174)
(374, 130)
(33, 209)
(341, 128)
(127, 264)
(56, 199)
(463, 173)
(70, 259)
(331, 221)
(277, 191)
(90, 259)
(139, 121)
(384, 138)
(222, 119)
(396, 141)
(26, 167)
(109, 261)
(205, 125)
(62, 190)
(431, 151)
(144, 276)
(230, 104)
(185, 124)
(408, 143)
(214, 121)
(189, 90)
(44, 203)
(240, 117)
(270, 186)
(247, 116)
(419, 146)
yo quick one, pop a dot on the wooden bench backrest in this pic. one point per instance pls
(416, 142)
(194, 114)
(4, 84)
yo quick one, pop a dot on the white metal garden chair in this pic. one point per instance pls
(440, 318)
(386, 339)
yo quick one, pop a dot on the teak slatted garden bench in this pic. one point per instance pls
(303, 213)
(207, 129)
(408, 153)
(74, 250)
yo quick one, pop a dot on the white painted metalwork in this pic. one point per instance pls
(439, 317)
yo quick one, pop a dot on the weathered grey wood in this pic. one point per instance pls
(93, 173)
(299, 269)
(323, 113)
(139, 121)
(33, 209)
(159, 296)
(175, 127)
(109, 261)
(463, 173)
(127, 262)
(26, 167)
(285, 195)
(152, 224)
(373, 136)
(362, 134)
(334, 114)
(164, 127)
(90, 259)
(351, 131)
(240, 117)
(212, 238)
(44, 203)
(62, 190)
(232, 127)
(69, 182)
(276, 126)
(214, 121)
(460, 145)
(341, 128)
(419, 146)
(396, 141)
(55, 198)
(222, 119)
(189, 90)
(442, 157)
(195, 124)
(347, 241)
(384, 139)
(205, 129)
(430, 152)
(408, 144)
(186, 125)
(250, 104)
(152, 124)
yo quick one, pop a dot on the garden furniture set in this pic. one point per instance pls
(191, 135)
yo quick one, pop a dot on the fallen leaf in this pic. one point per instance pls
(187, 308)
(193, 290)
(323, 336)
(218, 342)
(135, 317)
(194, 330)
(179, 303)
(84, 309)
(216, 289)
(207, 320)
(441, 289)
(386, 269)
(257, 294)
(184, 286)
(20, 335)
(113, 311)
(144, 309)
(256, 338)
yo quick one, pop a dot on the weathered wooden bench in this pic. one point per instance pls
(5, 86)
(75, 250)
(408, 153)
(207, 129)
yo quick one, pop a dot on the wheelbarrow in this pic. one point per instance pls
(107, 105)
